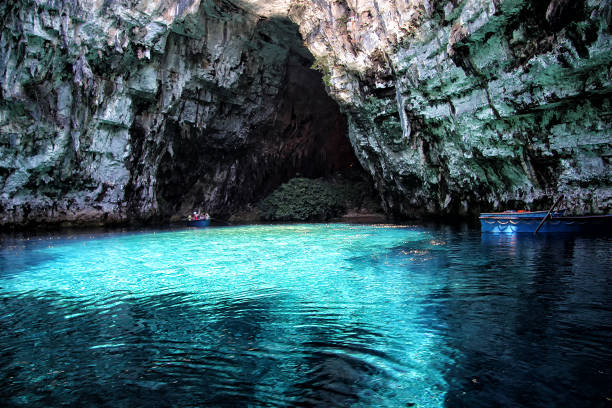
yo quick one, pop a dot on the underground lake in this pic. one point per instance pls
(305, 315)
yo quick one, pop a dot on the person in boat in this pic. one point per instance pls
(206, 216)
(195, 215)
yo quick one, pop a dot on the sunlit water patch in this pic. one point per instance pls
(309, 315)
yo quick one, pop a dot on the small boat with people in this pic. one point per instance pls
(551, 221)
(197, 220)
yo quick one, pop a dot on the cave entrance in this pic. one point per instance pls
(277, 123)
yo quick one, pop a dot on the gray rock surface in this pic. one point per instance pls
(121, 110)
(115, 111)
(461, 106)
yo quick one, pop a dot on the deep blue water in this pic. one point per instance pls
(306, 315)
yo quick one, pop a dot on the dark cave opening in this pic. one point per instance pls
(245, 152)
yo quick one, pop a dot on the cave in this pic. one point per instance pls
(138, 111)
(223, 169)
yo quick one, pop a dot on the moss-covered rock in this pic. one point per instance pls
(303, 199)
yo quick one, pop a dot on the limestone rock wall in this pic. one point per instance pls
(113, 110)
(120, 110)
(467, 105)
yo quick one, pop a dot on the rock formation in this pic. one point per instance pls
(460, 106)
(115, 110)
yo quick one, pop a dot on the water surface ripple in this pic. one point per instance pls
(306, 315)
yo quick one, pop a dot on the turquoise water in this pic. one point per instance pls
(308, 315)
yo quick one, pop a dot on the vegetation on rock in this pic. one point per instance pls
(302, 199)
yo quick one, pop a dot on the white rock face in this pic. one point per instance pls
(113, 110)
(118, 110)
(456, 107)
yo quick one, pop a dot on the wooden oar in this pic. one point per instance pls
(548, 213)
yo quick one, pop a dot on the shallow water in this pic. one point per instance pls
(306, 315)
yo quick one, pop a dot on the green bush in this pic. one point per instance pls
(302, 199)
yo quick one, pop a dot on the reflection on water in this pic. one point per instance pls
(306, 315)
